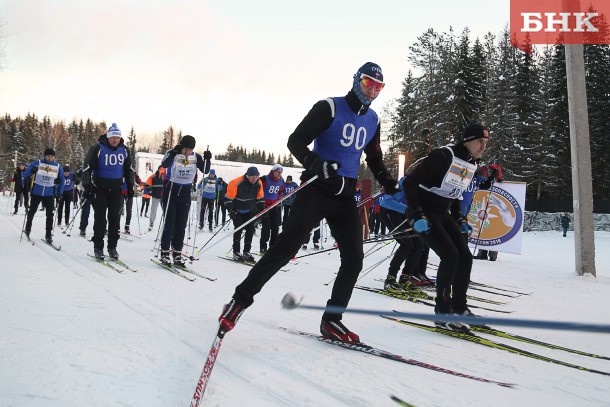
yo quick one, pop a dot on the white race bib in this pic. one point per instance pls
(184, 169)
(46, 174)
(456, 180)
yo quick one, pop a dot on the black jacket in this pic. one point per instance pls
(103, 183)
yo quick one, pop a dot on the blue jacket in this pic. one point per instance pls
(46, 185)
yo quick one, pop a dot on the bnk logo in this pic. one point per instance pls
(559, 22)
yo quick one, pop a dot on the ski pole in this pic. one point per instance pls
(289, 302)
(162, 224)
(135, 198)
(261, 213)
(71, 224)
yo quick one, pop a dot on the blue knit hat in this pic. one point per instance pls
(252, 171)
(113, 131)
(369, 69)
(212, 171)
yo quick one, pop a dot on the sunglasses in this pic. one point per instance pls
(371, 82)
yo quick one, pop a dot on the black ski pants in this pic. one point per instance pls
(64, 207)
(270, 227)
(239, 220)
(176, 217)
(128, 209)
(311, 205)
(48, 203)
(409, 245)
(19, 193)
(84, 213)
(145, 206)
(286, 213)
(107, 212)
(220, 207)
(453, 275)
(207, 205)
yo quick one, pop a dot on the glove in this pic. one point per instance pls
(258, 208)
(389, 184)
(324, 169)
(207, 155)
(56, 181)
(419, 222)
(479, 172)
(130, 191)
(34, 170)
(177, 149)
(235, 215)
(465, 228)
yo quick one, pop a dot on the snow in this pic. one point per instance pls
(75, 333)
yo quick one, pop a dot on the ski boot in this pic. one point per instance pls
(335, 330)
(165, 259)
(113, 253)
(179, 260)
(99, 254)
(391, 285)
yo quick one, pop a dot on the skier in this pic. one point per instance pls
(146, 191)
(107, 163)
(155, 181)
(85, 206)
(21, 188)
(221, 191)
(289, 186)
(375, 222)
(565, 223)
(392, 212)
(208, 197)
(244, 200)
(48, 182)
(483, 178)
(181, 164)
(341, 128)
(273, 188)
(66, 197)
(433, 190)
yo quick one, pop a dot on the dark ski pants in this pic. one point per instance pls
(48, 203)
(286, 213)
(270, 227)
(84, 214)
(176, 217)
(409, 245)
(145, 206)
(207, 205)
(64, 207)
(106, 211)
(453, 275)
(309, 208)
(128, 209)
(220, 207)
(19, 194)
(239, 220)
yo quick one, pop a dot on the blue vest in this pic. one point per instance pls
(358, 197)
(396, 202)
(110, 162)
(69, 182)
(346, 138)
(272, 188)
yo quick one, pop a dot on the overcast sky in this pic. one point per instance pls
(240, 71)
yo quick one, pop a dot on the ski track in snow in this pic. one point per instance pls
(76, 333)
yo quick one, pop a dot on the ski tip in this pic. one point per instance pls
(290, 302)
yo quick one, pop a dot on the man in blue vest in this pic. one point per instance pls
(107, 163)
(273, 188)
(208, 197)
(341, 128)
(48, 182)
(289, 186)
(66, 197)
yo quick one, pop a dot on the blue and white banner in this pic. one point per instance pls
(496, 217)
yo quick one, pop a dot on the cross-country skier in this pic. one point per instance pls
(433, 190)
(341, 128)
(289, 186)
(21, 188)
(208, 188)
(273, 188)
(48, 183)
(244, 199)
(66, 197)
(182, 164)
(107, 163)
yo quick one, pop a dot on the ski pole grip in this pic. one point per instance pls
(334, 166)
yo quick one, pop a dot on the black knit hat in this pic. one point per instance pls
(49, 151)
(188, 142)
(475, 131)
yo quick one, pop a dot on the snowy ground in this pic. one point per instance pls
(75, 333)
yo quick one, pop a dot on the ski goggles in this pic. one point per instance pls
(371, 82)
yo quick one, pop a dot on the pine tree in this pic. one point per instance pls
(131, 141)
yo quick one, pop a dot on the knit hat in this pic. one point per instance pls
(475, 131)
(212, 172)
(66, 168)
(49, 151)
(113, 131)
(252, 171)
(20, 164)
(369, 69)
(277, 167)
(289, 178)
(188, 142)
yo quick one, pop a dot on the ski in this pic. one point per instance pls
(245, 263)
(502, 334)
(58, 248)
(418, 292)
(170, 268)
(30, 240)
(122, 264)
(418, 299)
(401, 402)
(492, 344)
(105, 263)
(188, 270)
(369, 350)
(494, 293)
(497, 288)
(204, 378)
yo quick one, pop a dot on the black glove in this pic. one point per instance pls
(235, 215)
(34, 170)
(177, 149)
(486, 184)
(130, 191)
(56, 181)
(389, 184)
(258, 208)
(479, 172)
(494, 173)
(324, 169)
(207, 155)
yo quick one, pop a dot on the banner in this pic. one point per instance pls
(496, 217)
